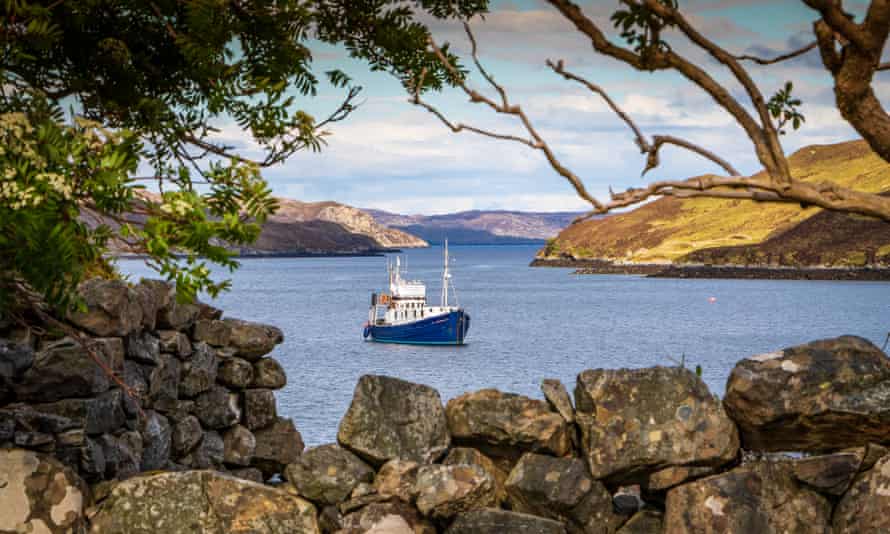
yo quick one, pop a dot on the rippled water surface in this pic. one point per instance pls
(527, 323)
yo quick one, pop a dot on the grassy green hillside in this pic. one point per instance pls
(743, 231)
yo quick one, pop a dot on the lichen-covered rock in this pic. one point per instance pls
(15, 359)
(136, 379)
(446, 490)
(822, 396)
(96, 415)
(646, 521)
(327, 474)
(391, 418)
(187, 433)
(163, 383)
(637, 421)
(864, 507)
(561, 489)
(61, 370)
(112, 308)
(761, 497)
(369, 517)
(830, 473)
(143, 348)
(253, 340)
(506, 425)
(397, 478)
(152, 296)
(870, 454)
(212, 331)
(259, 408)
(470, 456)
(218, 408)
(156, 441)
(201, 501)
(675, 475)
(558, 397)
(175, 342)
(248, 473)
(39, 494)
(209, 453)
(494, 521)
(277, 445)
(238, 446)
(268, 373)
(177, 316)
(235, 373)
(199, 372)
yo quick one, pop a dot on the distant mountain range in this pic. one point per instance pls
(742, 232)
(496, 227)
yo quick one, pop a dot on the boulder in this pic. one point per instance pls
(561, 489)
(209, 454)
(268, 373)
(39, 494)
(870, 455)
(177, 316)
(187, 434)
(761, 497)
(163, 384)
(175, 342)
(112, 308)
(211, 331)
(15, 359)
(494, 521)
(238, 446)
(206, 311)
(218, 408)
(25, 417)
(558, 397)
(259, 408)
(253, 340)
(397, 478)
(277, 445)
(248, 473)
(199, 372)
(201, 501)
(136, 378)
(675, 475)
(864, 506)
(327, 474)
(444, 491)
(628, 500)
(112, 352)
(97, 415)
(506, 425)
(822, 396)
(470, 456)
(235, 373)
(156, 441)
(830, 473)
(637, 421)
(378, 515)
(120, 460)
(143, 348)
(153, 295)
(61, 370)
(92, 461)
(646, 521)
(391, 418)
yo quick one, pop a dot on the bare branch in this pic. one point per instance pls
(884, 66)
(482, 70)
(789, 55)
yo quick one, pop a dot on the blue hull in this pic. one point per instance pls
(450, 329)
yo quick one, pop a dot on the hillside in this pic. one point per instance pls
(479, 227)
(723, 231)
(306, 228)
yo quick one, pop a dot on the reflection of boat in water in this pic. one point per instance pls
(402, 315)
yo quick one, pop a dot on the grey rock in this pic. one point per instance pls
(175, 342)
(218, 408)
(235, 373)
(259, 408)
(268, 373)
(253, 340)
(831, 474)
(62, 369)
(494, 521)
(163, 384)
(112, 308)
(97, 415)
(177, 316)
(92, 461)
(444, 491)
(153, 295)
(327, 474)
(863, 508)
(187, 434)
(136, 378)
(143, 348)
(25, 417)
(211, 331)
(156, 441)
(277, 445)
(238, 446)
(646, 521)
(111, 350)
(199, 372)
(390, 418)
(397, 478)
(31, 440)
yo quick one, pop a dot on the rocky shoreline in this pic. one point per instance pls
(739, 272)
(191, 440)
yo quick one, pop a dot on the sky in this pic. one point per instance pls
(394, 156)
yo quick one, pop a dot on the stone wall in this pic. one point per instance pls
(196, 390)
(631, 451)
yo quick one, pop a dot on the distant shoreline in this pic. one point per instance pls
(369, 254)
(733, 272)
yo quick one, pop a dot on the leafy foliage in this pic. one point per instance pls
(784, 109)
(641, 28)
(148, 83)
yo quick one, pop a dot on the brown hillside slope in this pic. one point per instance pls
(671, 230)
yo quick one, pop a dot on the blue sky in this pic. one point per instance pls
(395, 156)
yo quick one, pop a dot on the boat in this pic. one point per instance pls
(403, 316)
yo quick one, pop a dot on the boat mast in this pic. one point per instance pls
(445, 277)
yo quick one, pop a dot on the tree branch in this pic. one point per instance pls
(789, 55)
